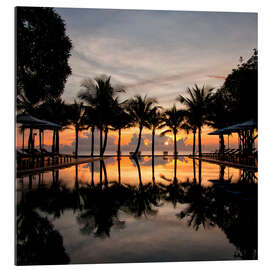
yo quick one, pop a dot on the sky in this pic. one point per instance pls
(153, 53)
(158, 53)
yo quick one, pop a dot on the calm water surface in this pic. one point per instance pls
(137, 211)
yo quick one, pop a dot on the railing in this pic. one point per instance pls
(234, 156)
(25, 162)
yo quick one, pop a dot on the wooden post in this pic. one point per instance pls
(23, 140)
(40, 139)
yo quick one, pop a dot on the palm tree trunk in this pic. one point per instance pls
(153, 142)
(221, 144)
(105, 140)
(23, 140)
(194, 142)
(175, 143)
(221, 173)
(53, 142)
(119, 142)
(200, 142)
(139, 140)
(92, 141)
(76, 141)
(30, 139)
(40, 140)
(100, 141)
(57, 141)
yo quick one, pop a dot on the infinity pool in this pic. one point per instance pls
(147, 210)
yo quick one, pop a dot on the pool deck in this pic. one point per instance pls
(226, 163)
(84, 159)
(57, 166)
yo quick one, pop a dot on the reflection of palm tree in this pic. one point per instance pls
(197, 105)
(198, 211)
(200, 172)
(142, 197)
(175, 169)
(102, 163)
(233, 210)
(153, 169)
(119, 169)
(140, 109)
(38, 243)
(173, 192)
(194, 171)
(101, 206)
(76, 190)
(172, 119)
(92, 173)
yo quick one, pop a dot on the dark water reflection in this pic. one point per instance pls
(94, 214)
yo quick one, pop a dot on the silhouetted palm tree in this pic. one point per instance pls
(196, 104)
(56, 111)
(91, 120)
(121, 120)
(190, 126)
(219, 115)
(140, 109)
(78, 119)
(98, 94)
(172, 119)
(155, 120)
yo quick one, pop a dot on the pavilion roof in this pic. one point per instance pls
(251, 124)
(30, 121)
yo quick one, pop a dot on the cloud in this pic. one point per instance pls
(217, 77)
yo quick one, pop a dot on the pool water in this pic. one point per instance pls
(147, 210)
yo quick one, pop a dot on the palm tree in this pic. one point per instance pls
(172, 119)
(98, 94)
(56, 111)
(155, 120)
(140, 109)
(78, 119)
(121, 120)
(197, 104)
(91, 116)
(189, 126)
(219, 115)
(114, 113)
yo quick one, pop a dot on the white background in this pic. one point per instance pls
(7, 120)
